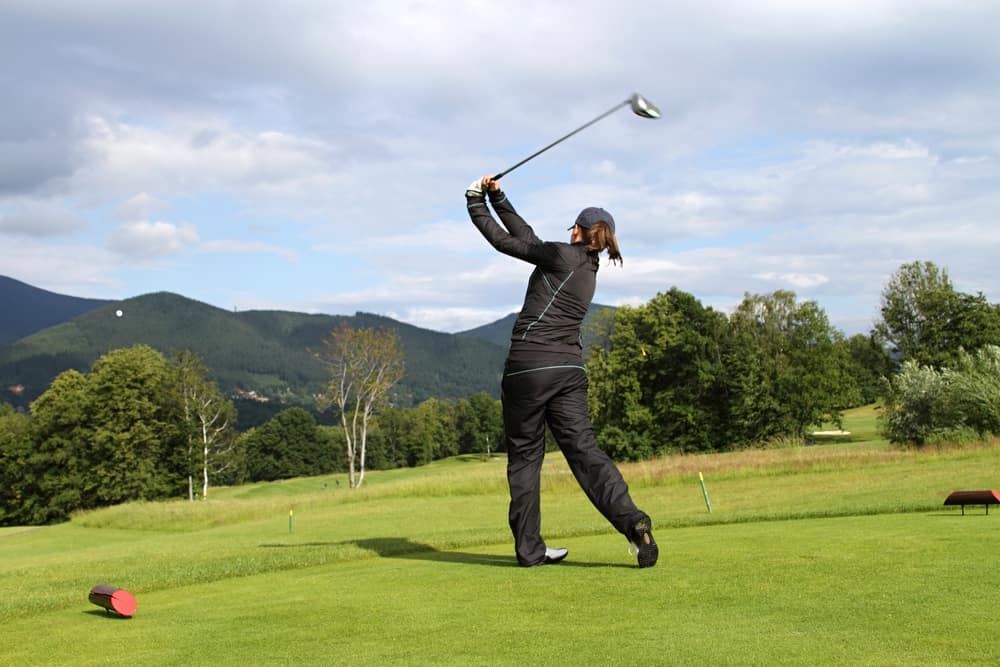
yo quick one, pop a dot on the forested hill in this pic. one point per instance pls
(27, 309)
(268, 352)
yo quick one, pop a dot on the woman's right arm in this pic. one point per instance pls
(527, 246)
(514, 223)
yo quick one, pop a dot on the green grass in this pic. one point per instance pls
(832, 554)
(861, 423)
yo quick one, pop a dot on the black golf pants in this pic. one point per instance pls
(556, 396)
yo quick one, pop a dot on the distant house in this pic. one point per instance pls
(251, 396)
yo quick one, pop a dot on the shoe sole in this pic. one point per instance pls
(552, 561)
(647, 552)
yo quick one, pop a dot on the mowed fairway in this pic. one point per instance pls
(835, 554)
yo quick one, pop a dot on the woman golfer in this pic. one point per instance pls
(544, 381)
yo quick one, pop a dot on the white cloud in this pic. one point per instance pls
(440, 237)
(794, 280)
(234, 246)
(138, 207)
(449, 319)
(149, 240)
(72, 268)
(39, 219)
(198, 154)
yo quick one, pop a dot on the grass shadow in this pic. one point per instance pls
(404, 547)
(107, 614)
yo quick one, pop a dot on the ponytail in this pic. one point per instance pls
(599, 237)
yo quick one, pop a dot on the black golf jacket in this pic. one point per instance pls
(559, 290)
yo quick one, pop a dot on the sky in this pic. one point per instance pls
(312, 155)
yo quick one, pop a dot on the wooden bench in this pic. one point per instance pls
(983, 497)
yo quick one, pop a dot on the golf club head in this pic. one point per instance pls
(643, 107)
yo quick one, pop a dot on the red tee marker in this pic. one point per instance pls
(118, 600)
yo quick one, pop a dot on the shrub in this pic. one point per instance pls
(915, 404)
(924, 404)
(975, 389)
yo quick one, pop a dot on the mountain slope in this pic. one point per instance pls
(269, 352)
(497, 332)
(27, 309)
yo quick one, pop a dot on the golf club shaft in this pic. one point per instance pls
(562, 139)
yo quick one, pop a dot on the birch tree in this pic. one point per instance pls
(208, 417)
(364, 365)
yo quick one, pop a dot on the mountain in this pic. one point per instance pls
(27, 309)
(251, 353)
(498, 332)
(267, 352)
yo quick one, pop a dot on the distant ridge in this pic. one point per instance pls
(25, 309)
(265, 352)
(497, 332)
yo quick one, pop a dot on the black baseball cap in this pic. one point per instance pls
(592, 214)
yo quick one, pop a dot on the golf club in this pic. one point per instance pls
(640, 107)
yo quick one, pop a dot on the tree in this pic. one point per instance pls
(788, 367)
(103, 438)
(479, 420)
(925, 320)
(208, 417)
(869, 364)
(138, 444)
(289, 445)
(53, 476)
(389, 436)
(364, 365)
(15, 449)
(434, 434)
(977, 322)
(656, 378)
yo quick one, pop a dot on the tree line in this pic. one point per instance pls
(675, 375)
(143, 426)
(136, 427)
(671, 375)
